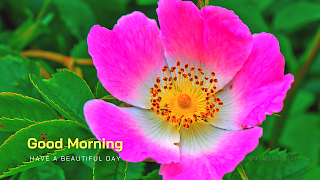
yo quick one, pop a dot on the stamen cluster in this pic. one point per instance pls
(190, 83)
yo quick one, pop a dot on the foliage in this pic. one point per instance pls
(46, 76)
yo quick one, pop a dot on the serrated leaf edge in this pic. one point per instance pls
(25, 163)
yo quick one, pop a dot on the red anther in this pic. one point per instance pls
(178, 63)
(186, 66)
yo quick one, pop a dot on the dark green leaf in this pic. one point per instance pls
(314, 173)
(47, 171)
(87, 152)
(16, 156)
(77, 16)
(7, 124)
(277, 165)
(75, 170)
(296, 15)
(287, 51)
(154, 175)
(262, 4)
(80, 50)
(14, 76)
(66, 92)
(135, 170)
(147, 2)
(108, 12)
(14, 105)
(28, 31)
(101, 91)
(111, 170)
(308, 138)
(302, 101)
(5, 50)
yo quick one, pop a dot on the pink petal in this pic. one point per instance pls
(258, 89)
(144, 134)
(208, 152)
(213, 38)
(128, 58)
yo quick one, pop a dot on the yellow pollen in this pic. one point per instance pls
(184, 95)
(184, 101)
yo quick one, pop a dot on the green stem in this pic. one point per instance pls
(308, 59)
(43, 10)
(242, 172)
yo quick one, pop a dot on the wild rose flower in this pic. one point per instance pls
(200, 87)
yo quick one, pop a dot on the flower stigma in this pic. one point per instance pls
(185, 96)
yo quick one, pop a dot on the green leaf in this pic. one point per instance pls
(277, 165)
(111, 170)
(108, 12)
(14, 105)
(28, 31)
(87, 152)
(6, 50)
(7, 124)
(314, 69)
(75, 170)
(66, 92)
(154, 175)
(4, 136)
(147, 2)
(314, 173)
(45, 172)
(287, 51)
(262, 4)
(135, 170)
(308, 138)
(14, 76)
(296, 15)
(302, 101)
(77, 16)
(80, 50)
(101, 91)
(16, 156)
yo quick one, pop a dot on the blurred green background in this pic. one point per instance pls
(61, 27)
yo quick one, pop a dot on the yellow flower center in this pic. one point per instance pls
(184, 100)
(185, 97)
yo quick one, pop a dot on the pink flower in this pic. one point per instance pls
(200, 87)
